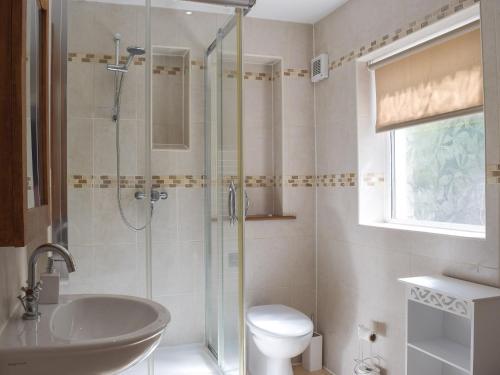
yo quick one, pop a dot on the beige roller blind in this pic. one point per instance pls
(442, 80)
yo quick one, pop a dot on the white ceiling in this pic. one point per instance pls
(302, 11)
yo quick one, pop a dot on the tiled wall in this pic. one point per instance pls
(13, 271)
(358, 266)
(280, 254)
(168, 101)
(110, 256)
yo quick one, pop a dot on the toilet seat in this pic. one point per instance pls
(279, 321)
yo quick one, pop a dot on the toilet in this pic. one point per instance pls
(277, 333)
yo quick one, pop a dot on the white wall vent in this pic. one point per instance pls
(319, 68)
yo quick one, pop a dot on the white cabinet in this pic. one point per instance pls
(453, 327)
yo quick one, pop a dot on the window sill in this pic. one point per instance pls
(422, 229)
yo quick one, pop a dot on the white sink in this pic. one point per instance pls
(83, 335)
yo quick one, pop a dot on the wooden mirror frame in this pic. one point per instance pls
(19, 225)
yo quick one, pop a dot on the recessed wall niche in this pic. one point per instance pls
(263, 127)
(171, 86)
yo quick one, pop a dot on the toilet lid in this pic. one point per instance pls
(279, 320)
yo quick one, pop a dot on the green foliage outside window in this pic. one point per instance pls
(445, 170)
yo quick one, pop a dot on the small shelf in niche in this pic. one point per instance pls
(263, 133)
(270, 217)
(171, 98)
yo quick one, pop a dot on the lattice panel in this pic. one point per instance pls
(440, 301)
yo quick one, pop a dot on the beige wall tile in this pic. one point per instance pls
(13, 272)
(80, 89)
(104, 134)
(80, 146)
(80, 212)
(96, 229)
(357, 265)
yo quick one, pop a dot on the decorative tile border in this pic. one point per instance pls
(159, 69)
(454, 6)
(300, 181)
(347, 179)
(106, 182)
(171, 71)
(190, 181)
(198, 64)
(101, 58)
(296, 73)
(493, 174)
(257, 76)
(175, 181)
(260, 181)
(373, 179)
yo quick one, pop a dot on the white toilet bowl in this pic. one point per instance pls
(277, 334)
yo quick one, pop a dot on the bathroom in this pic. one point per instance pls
(230, 170)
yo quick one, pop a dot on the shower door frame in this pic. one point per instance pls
(235, 23)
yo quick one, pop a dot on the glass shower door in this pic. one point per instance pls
(224, 214)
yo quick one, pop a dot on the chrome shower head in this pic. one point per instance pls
(136, 51)
(132, 52)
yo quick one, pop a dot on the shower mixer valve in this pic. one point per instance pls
(155, 195)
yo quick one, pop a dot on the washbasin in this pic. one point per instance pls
(83, 335)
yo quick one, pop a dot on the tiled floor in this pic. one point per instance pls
(189, 360)
(298, 370)
(182, 360)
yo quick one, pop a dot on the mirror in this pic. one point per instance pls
(35, 101)
(171, 92)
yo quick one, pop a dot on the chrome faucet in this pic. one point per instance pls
(32, 291)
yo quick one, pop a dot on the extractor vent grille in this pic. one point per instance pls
(319, 68)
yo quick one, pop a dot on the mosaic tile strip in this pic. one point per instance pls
(347, 179)
(101, 58)
(159, 69)
(493, 174)
(191, 181)
(296, 73)
(261, 76)
(299, 181)
(454, 6)
(80, 181)
(170, 71)
(373, 179)
(106, 182)
(175, 181)
(253, 76)
(260, 181)
(198, 64)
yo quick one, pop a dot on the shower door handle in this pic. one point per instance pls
(247, 204)
(232, 203)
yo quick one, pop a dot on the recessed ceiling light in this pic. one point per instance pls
(189, 12)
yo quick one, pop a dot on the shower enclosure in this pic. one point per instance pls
(161, 121)
(224, 195)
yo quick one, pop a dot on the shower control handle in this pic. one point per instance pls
(155, 195)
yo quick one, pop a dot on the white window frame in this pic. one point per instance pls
(390, 208)
(430, 32)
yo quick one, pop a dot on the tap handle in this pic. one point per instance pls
(38, 287)
(23, 301)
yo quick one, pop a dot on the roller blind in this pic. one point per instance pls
(442, 80)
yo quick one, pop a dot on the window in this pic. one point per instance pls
(438, 174)
(429, 102)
